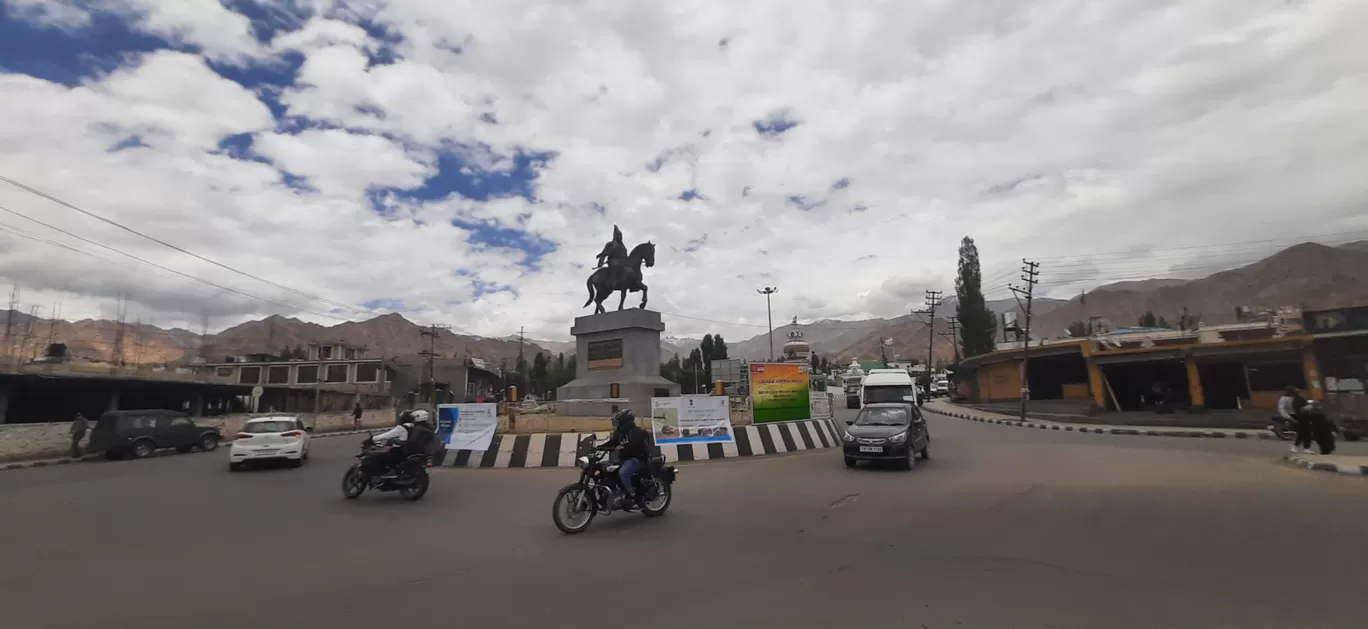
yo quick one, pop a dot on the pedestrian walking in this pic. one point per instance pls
(1321, 428)
(79, 426)
(1290, 406)
(356, 417)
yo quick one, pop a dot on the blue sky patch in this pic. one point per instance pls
(689, 195)
(491, 235)
(775, 124)
(69, 58)
(805, 204)
(841, 183)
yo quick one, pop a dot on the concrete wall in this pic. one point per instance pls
(41, 441)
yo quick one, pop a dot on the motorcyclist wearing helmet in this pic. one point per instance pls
(635, 451)
(408, 436)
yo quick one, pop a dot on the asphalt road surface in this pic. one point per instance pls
(1005, 527)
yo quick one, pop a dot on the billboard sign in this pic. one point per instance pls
(779, 392)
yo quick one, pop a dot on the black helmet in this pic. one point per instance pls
(404, 417)
(624, 419)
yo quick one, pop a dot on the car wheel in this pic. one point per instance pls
(142, 448)
(909, 461)
(850, 462)
(297, 462)
(208, 443)
(184, 449)
(926, 453)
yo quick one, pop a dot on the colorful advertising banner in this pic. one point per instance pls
(467, 426)
(691, 419)
(779, 392)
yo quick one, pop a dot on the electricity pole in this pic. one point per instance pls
(769, 315)
(1029, 271)
(430, 380)
(933, 301)
(954, 336)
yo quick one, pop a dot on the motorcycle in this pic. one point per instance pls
(410, 480)
(600, 492)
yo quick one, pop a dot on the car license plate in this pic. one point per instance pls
(871, 449)
(268, 451)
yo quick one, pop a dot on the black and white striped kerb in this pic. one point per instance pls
(1209, 433)
(1311, 463)
(558, 449)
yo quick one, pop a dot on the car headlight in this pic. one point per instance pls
(898, 438)
(849, 438)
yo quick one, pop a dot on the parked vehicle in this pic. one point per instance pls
(411, 480)
(270, 439)
(137, 434)
(894, 432)
(599, 490)
(852, 391)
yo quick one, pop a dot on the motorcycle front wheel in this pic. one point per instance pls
(354, 482)
(661, 494)
(417, 489)
(573, 509)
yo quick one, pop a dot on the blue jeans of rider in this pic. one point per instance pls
(629, 469)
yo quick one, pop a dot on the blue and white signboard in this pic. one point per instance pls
(691, 419)
(467, 426)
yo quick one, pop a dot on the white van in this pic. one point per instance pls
(888, 385)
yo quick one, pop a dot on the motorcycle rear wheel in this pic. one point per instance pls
(354, 482)
(418, 489)
(661, 494)
(577, 506)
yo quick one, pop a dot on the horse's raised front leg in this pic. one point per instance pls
(623, 299)
(644, 293)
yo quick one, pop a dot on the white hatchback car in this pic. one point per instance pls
(275, 438)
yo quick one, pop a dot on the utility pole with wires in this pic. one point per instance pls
(28, 334)
(769, 315)
(52, 326)
(117, 357)
(933, 301)
(1029, 272)
(430, 378)
(953, 336)
(9, 319)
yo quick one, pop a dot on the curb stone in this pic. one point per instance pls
(1326, 466)
(1106, 430)
(19, 465)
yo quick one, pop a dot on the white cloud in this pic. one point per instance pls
(1031, 126)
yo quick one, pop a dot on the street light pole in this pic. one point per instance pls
(769, 315)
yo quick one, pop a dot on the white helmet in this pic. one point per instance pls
(419, 417)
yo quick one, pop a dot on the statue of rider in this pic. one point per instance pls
(614, 254)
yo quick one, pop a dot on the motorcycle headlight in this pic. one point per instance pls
(898, 438)
(582, 461)
(849, 438)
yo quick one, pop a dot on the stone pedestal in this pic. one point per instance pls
(616, 350)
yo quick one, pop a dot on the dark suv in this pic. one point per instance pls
(139, 433)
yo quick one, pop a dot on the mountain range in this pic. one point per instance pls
(1308, 275)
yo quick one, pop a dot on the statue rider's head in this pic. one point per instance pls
(617, 234)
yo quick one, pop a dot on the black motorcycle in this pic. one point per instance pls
(599, 490)
(410, 480)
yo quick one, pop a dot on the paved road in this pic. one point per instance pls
(1006, 527)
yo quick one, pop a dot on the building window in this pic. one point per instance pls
(368, 373)
(249, 375)
(307, 374)
(278, 375)
(337, 373)
(1276, 376)
(223, 372)
(325, 352)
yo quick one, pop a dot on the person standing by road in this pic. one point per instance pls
(356, 417)
(1289, 408)
(79, 426)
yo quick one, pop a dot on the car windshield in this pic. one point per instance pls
(875, 395)
(889, 416)
(279, 425)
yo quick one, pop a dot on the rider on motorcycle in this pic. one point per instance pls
(634, 453)
(408, 436)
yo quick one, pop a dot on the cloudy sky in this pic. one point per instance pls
(463, 161)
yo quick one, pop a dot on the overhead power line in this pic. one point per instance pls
(164, 243)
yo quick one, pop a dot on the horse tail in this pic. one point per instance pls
(589, 283)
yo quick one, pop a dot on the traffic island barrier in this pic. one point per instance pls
(558, 449)
(1352, 465)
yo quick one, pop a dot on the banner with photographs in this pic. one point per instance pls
(691, 419)
(467, 426)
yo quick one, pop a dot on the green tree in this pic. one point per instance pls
(1163, 323)
(719, 348)
(825, 365)
(540, 372)
(693, 371)
(1147, 320)
(707, 350)
(672, 370)
(977, 322)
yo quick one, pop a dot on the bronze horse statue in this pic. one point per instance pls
(601, 283)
